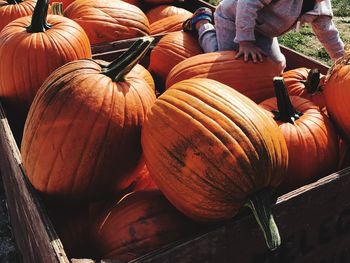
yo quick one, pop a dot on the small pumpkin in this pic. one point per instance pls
(254, 80)
(216, 153)
(171, 49)
(139, 223)
(83, 130)
(119, 20)
(337, 94)
(12, 9)
(311, 139)
(31, 48)
(305, 83)
(163, 11)
(168, 24)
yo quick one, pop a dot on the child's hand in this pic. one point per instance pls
(249, 49)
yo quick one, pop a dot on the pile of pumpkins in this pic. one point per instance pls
(130, 158)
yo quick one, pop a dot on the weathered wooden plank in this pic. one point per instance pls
(34, 234)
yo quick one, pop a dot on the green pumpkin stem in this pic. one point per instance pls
(57, 8)
(312, 81)
(122, 65)
(39, 17)
(14, 2)
(286, 111)
(260, 204)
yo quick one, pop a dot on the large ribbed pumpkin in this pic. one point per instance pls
(211, 150)
(31, 48)
(306, 83)
(337, 94)
(65, 3)
(139, 223)
(83, 131)
(169, 51)
(251, 79)
(162, 11)
(168, 24)
(105, 20)
(311, 139)
(13, 9)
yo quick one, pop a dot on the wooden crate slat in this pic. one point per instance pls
(34, 234)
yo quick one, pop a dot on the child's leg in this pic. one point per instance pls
(207, 38)
(225, 32)
(272, 48)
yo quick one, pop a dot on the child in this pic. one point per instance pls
(251, 27)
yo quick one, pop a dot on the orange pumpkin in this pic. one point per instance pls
(139, 223)
(337, 94)
(211, 150)
(169, 51)
(119, 20)
(311, 139)
(251, 79)
(168, 24)
(162, 11)
(305, 83)
(13, 9)
(143, 72)
(31, 48)
(83, 129)
(65, 3)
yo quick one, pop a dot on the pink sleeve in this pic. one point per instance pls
(328, 35)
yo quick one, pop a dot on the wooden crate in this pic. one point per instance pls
(314, 221)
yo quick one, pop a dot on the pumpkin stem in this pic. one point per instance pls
(260, 204)
(39, 17)
(312, 81)
(286, 111)
(57, 8)
(14, 2)
(122, 65)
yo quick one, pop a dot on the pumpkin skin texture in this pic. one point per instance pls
(139, 223)
(144, 73)
(222, 67)
(168, 24)
(295, 82)
(311, 139)
(10, 11)
(337, 94)
(217, 149)
(33, 54)
(169, 51)
(119, 20)
(83, 129)
(65, 3)
(162, 11)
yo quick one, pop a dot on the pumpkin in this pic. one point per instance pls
(119, 20)
(211, 150)
(158, 2)
(65, 3)
(337, 94)
(344, 155)
(168, 24)
(139, 223)
(31, 48)
(83, 131)
(306, 83)
(162, 11)
(138, 178)
(311, 139)
(169, 51)
(143, 72)
(251, 79)
(12, 9)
